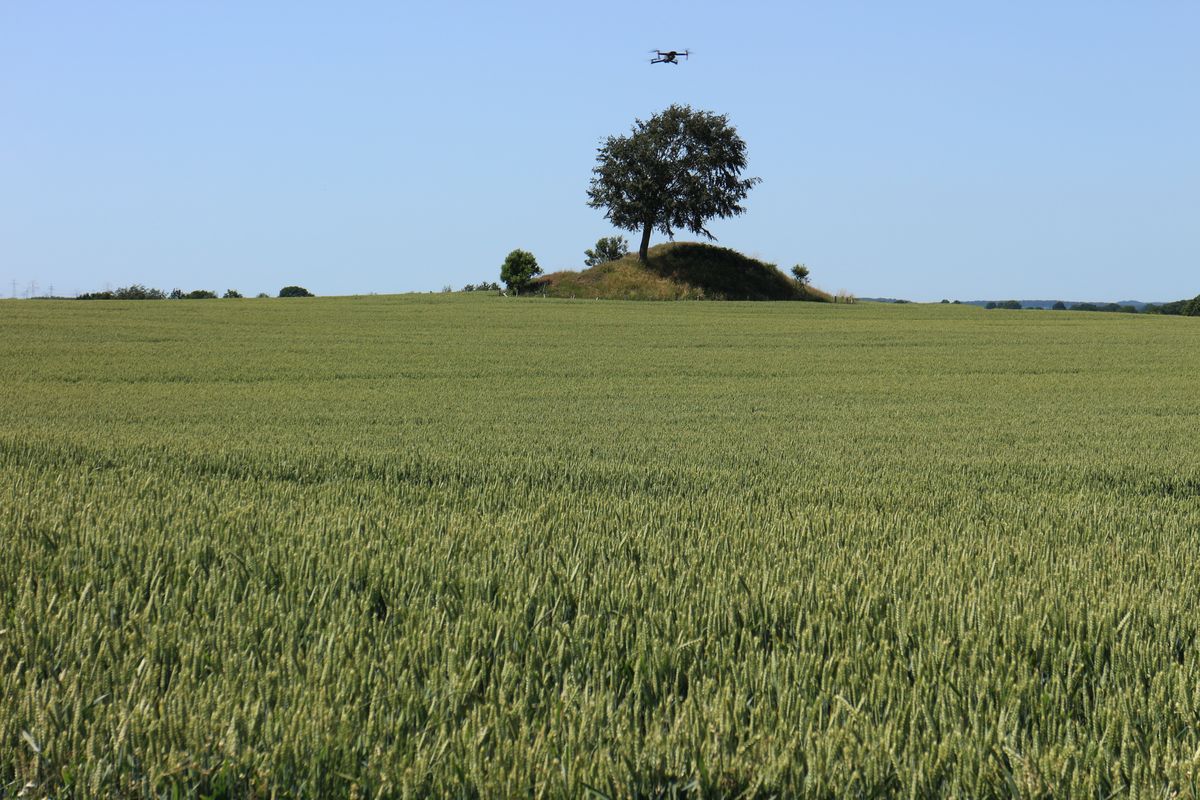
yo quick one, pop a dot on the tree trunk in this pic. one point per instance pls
(642, 251)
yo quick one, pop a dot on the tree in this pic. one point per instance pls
(678, 169)
(295, 291)
(138, 292)
(1059, 306)
(232, 294)
(608, 248)
(518, 270)
(800, 273)
(1185, 308)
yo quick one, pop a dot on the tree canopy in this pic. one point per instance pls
(679, 169)
(518, 269)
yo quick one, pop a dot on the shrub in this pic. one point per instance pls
(262, 294)
(134, 292)
(139, 292)
(801, 274)
(608, 248)
(295, 291)
(1059, 306)
(232, 294)
(200, 294)
(518, 270)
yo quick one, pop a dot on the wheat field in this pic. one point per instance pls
(460, 545)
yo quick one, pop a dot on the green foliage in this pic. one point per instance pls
(450, 545)
(518, 269)
(232, 294)
(1059, 306)
(801, 274)
(139, 292)
(483, 286)
(295, 291)
(261, 295)
(677, 170)
(608, 248)
(134, 292)
(1184, 308)
(195, 294)
(1109, 307)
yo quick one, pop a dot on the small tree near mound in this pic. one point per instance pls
(678, 169)
(800, 273)
(608, 248)
(295, 291)
(518, 269)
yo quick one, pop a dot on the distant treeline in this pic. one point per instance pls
(139, 292)
(1186, 308)
(1182, 308)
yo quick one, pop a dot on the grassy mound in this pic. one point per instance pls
(680, 271)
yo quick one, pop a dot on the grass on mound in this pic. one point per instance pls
(680, 271)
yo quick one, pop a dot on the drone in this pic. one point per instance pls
(667, 57)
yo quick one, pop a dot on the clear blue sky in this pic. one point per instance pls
(921, 150)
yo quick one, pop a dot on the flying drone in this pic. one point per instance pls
(668, 56)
